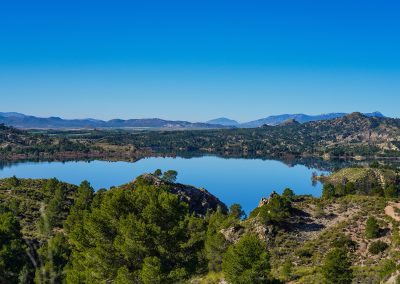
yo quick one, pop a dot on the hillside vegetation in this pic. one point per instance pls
(363, 176)
(16, 143)
(153, 230)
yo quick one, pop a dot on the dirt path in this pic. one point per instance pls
(390, 211)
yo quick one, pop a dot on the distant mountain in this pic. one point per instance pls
(18, 120)
(223, 121)
(302, 118)
(12, 114)
(375, 114)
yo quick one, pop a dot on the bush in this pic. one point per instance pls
(378, 247)
(157, 173)
(337, 267)
(236, 212)
(388, 267)
(247, 262)
(319, 210)
(343, 241)
(275, 212)
(350, 188)
(328, 191)
(288, 194)
(287, 270)
(391, 191)
(372, 228)
(170, 176)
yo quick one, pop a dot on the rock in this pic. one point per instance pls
(233, 234)
(265, 201)
(363, 247)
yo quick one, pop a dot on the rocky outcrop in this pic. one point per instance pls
(265, 201)
(199, 199)
(233, 234)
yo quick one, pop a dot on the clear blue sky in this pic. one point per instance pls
(197, 60)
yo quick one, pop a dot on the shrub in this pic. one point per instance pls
(275, 212)
(337, 267)
(372, 228)
(391, 191)
(378, 247)
(287, 270)
(328, 191)
(170, 176)
(288, 194)
(247, 262)
(343, 241)
(387, 268)
(319, 210)
(157, 173)
(13, 181)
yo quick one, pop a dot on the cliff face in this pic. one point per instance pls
(199, 199)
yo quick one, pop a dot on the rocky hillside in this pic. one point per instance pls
(351, 135)
(318, 225)
(28, 197)
(299, 243)
(15, 144)
(10, 137)
(359, 176)
(356, 129)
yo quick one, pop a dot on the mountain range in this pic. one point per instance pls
(301, 118)
(19, 120)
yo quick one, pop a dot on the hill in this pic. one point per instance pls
(355, 131)
(223, 121)
(302, 118)
(16, 144)
(363, 176)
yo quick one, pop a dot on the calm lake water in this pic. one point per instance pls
(240, 181)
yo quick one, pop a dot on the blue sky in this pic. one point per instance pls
(196, 60)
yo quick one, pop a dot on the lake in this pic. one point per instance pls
(243, 181)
